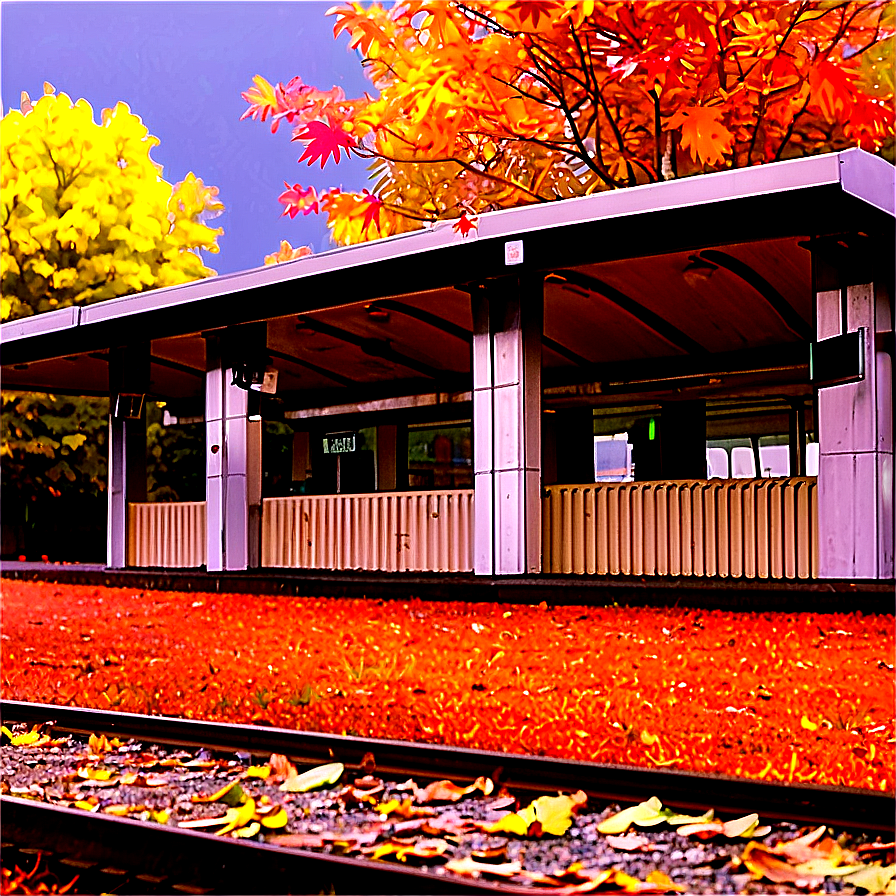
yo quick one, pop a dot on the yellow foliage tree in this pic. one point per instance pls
(86, 214)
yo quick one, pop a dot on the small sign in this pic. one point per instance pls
(340, 442)
(840, 359)
(513, 252)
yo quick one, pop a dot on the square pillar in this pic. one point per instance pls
(507, 319)
(855, 431)
(128, 384)
(233, 459)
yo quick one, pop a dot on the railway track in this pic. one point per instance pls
(331, 838)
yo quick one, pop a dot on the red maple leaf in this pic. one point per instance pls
(323, 140)
(466, 223)
(295, 200)
(372, 212)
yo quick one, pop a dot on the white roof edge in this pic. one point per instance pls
(869, 178)
(48, 322)
(858, 173)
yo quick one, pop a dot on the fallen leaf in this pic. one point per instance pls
(647, 813)
(275, 820)
(472, 868)
(281, 766)
(90, 773)
(447, 791)
(422, 849)
(546, 815)
(404, 808)
(297, 841)
(247, 832)
(873, 878)
(628, 842)
(258, 771)
(747, 826)
(314, 778)
(230, 794)
(761, 862)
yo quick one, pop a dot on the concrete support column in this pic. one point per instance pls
(855, 430)
(507, 319)
(233, 461)
(128, 384)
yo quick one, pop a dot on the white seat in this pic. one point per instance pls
(775, 460)
(812, 459)
(716, 463)
(743, 464)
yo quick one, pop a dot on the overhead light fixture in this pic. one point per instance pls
(256, 375)
(128, 406)
(377, 313)
(698, 271)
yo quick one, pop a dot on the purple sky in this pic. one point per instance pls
(181, 67)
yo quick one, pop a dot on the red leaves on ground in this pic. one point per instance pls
(690, 689)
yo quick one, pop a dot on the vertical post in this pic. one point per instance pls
(855, 426)
(232, 444)
(507, 320)
(797, 419)
(387, 457)
(128, 384)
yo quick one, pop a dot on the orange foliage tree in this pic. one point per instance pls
(485, 105)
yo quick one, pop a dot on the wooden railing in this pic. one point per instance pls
(387, 531)
(167, 535)
(756, 528)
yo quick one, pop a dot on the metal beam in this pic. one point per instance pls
(376, 348)
(788, 314)
(426, 317)
(644, 316)
(335, 377)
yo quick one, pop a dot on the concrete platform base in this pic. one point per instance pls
(731, 594)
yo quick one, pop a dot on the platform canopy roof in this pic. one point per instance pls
(708, 270)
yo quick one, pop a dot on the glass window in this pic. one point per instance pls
(440, 456)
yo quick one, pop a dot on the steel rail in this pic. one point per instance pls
(846, 807)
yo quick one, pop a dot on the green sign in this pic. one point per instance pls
(340, 442)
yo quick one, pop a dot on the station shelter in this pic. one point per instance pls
(691, 378)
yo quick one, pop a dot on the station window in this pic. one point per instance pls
(440, 456)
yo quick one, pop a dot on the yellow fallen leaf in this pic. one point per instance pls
(250, 830)
(873, 878)
(314, 778)
(95, 774)
(258, 771)
(88, 805)
(647, 813)
(239, 817)
(809, 725)
(24, 740)
(275, 820)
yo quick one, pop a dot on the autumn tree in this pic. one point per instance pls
(86, 216)
(484, 105)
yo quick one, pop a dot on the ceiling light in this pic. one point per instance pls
(377, 313)
(698, 271)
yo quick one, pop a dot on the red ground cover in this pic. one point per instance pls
(782, 696)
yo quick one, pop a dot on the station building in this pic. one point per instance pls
(687, 379)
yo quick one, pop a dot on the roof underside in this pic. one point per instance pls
(665, 284)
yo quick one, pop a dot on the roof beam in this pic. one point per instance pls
(788, 314)
(376, 348)
(647, 318)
